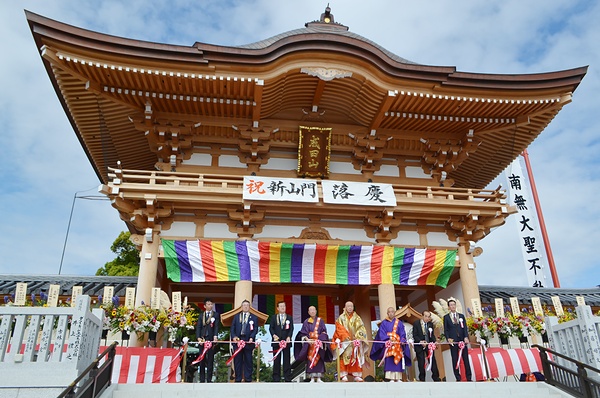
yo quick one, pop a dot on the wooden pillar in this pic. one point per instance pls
(148, 270)
(468, 276)
(243, 291)
(387, 298)
(362, 306)
(146, 276)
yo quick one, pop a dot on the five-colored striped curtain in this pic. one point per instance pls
(273, 262)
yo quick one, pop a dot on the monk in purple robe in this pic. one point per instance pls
(314, 348)
(396, 356)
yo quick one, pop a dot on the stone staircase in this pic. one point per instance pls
(334, 390)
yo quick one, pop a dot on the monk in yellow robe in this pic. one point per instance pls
(350, 331)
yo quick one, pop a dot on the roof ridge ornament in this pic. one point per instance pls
(326, 21)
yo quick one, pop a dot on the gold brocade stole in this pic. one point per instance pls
(396, 349)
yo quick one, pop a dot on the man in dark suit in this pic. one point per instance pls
(244, 328)
(207, 329)
(281, 329)
(422, 335)
(456, 331)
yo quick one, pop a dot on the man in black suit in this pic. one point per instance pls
(422, 335)
(456, 331)
(244, 328)
(281, 329)
(207, 329)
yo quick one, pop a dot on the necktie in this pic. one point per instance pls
(281, 320)
(244, 321)
(423, 326)
(454, 318)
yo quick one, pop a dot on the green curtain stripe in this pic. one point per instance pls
(285, 263)
(231, 259)
(397, 264)
(171, 261)
(271, 304)
(341, 273)
(449, 263)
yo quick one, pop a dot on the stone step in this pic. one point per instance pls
(350, 390)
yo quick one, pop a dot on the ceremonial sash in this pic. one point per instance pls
(313, 349)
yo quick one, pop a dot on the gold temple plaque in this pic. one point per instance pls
(314, 151)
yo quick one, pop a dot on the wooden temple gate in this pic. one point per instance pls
(272, 143)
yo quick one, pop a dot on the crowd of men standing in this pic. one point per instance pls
(313, 345)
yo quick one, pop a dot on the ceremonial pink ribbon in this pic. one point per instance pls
(461, 345)
(318, 345)
(356, 344)
(241, 344)
(207, 346)
(282, 345)
(388, 345)
(431, 347)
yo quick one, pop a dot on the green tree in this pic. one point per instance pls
(127, 262)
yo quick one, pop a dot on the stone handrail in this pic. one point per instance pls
(578, 339)
(48, 346)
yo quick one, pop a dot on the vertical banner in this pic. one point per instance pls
(176, 297)
(313, 151)
(514, 305)
(476, 304)
(532, 246)
(53, 293)
(580, 300)
(76, 292)
(537, 306)
(21, 293)
(499, 308)
(155, 298)
(130, 297)
(558, 308)
(107, 295)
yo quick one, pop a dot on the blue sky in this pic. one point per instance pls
(42, 164)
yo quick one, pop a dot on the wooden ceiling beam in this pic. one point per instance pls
(258, 97)
(384, 107)
(318, 95)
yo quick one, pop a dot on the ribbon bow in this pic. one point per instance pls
(388, 346)
(356, 345)
(461, 345)
(241, 344)
(430, 347)
(207, 346)
(318, 345)
(282, 345)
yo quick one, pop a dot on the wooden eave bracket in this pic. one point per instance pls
(385, 224)
(368, 151)
(254, 144)
(442, 157)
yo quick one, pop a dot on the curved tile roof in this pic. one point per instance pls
(314, 30)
